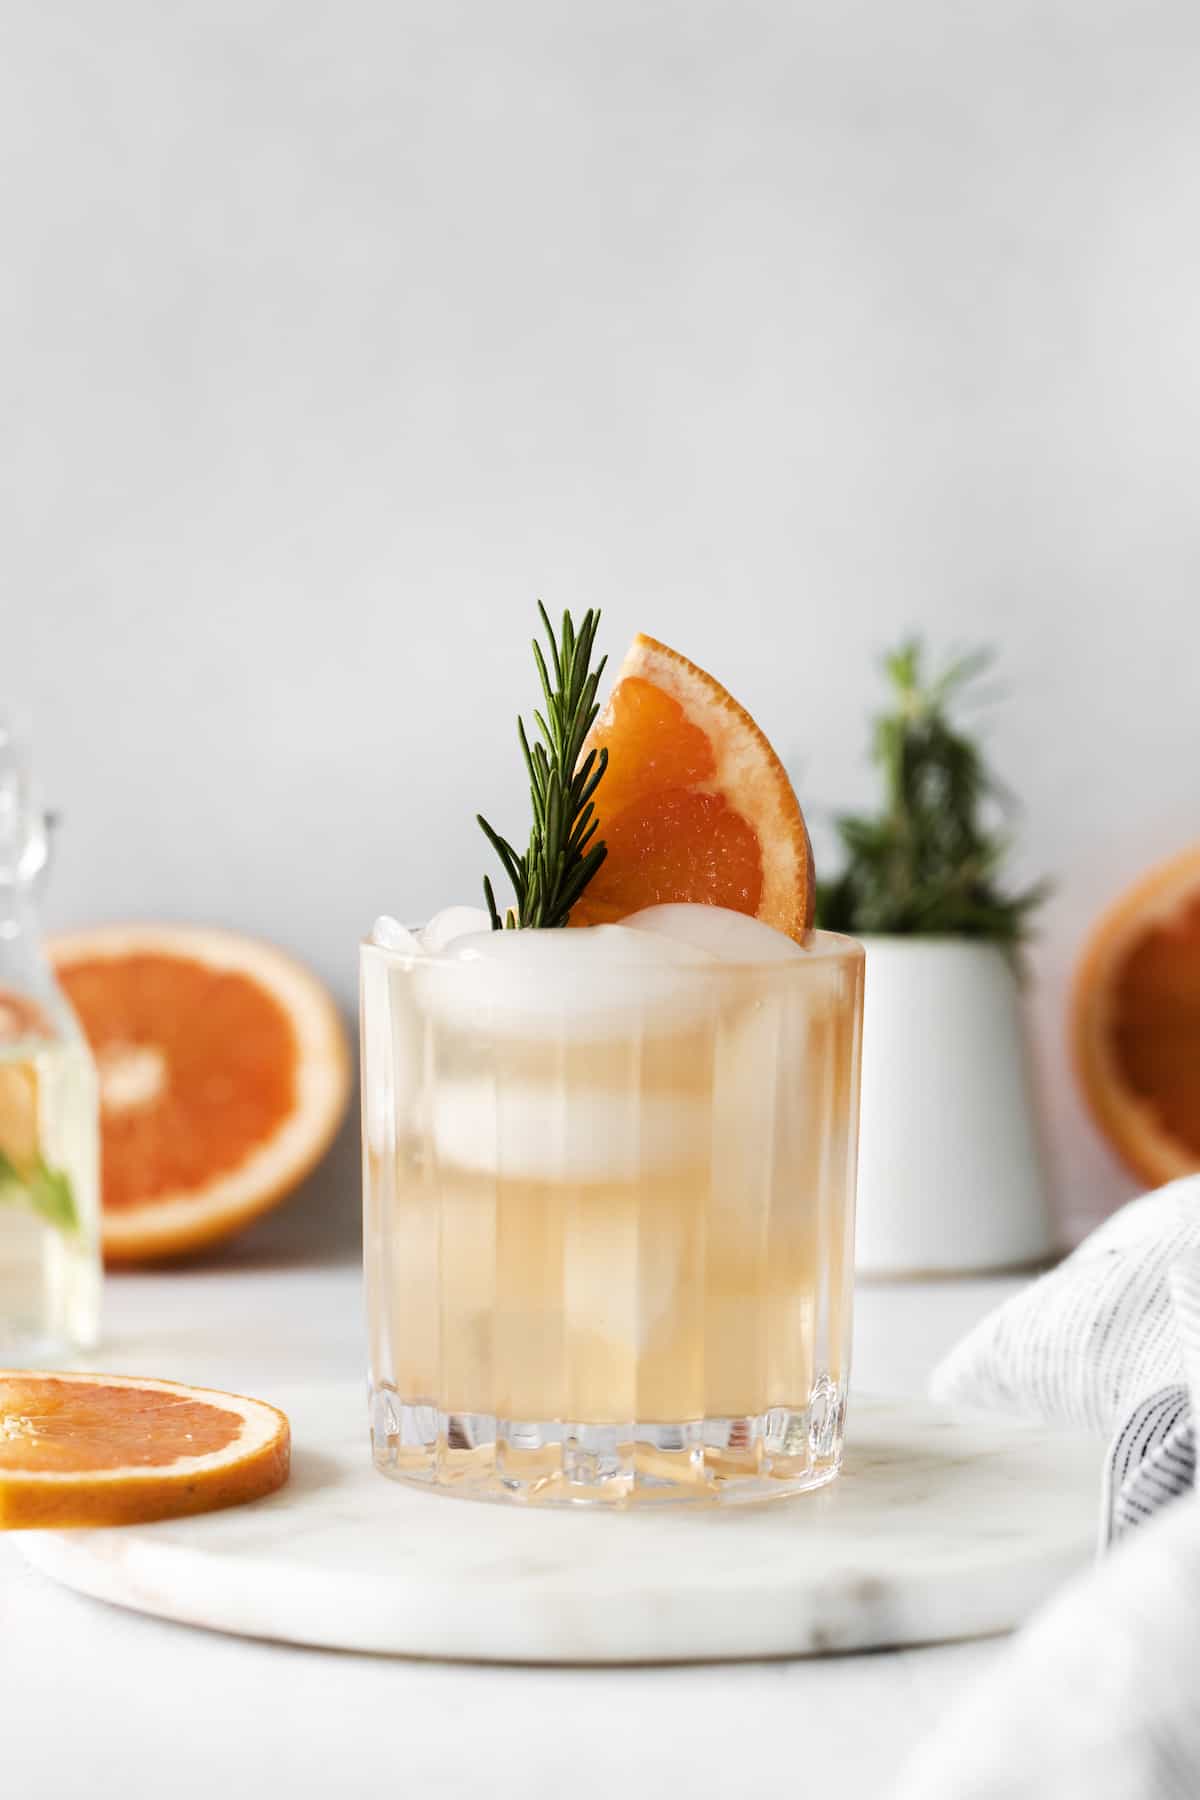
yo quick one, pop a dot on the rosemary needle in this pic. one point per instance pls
(563, 853)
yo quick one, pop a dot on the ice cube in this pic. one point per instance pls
(389, 934)
(581, 1134)
(730, 936)
(451, 923)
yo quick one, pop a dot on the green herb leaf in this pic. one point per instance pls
(52, 1195)
(561, 858)
(927, 863)
(12, 1188)
(44, 1190)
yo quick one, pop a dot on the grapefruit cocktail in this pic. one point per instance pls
(609, 1171)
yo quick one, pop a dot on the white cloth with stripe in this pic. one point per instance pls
(1098, 1698)
(1110, 1341)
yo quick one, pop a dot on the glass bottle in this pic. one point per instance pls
(49, 1107)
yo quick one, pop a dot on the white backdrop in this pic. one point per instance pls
(334, 333)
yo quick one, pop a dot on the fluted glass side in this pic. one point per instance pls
(609, 1225)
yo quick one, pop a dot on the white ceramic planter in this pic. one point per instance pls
(951, 1177)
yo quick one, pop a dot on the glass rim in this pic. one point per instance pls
(833, 948)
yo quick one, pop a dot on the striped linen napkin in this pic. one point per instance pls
(1108, 1341)
(1098, 1698)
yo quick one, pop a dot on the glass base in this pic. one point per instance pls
(551, 1463)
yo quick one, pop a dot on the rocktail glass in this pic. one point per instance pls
(609, 1222)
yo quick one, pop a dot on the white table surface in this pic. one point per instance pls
(97, 1702)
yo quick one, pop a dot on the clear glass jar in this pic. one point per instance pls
(609, 1222)
(49, 1109)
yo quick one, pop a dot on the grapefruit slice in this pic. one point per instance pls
(223, 1078)
(1136, 1021)
(122, 1450)
(695, 805)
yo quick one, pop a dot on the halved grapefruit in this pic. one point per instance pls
(223, 1074)
(695, 805)
(122, 1450)
(1136, 1021)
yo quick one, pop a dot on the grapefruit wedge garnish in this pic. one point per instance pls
(695, 805)
(1136, 1021)
(223, 1077)
(121, 1450)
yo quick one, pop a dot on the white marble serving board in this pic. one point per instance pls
(939, 1527)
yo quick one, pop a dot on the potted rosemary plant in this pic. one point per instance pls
(950, 1175)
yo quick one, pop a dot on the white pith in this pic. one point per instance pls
(131, 1076)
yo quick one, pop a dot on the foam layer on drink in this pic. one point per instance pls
(587, 984)
(579, 985)
(610, 1054)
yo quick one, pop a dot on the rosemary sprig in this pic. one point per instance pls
(928, 862)
(562, 856)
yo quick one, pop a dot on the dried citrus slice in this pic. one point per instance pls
(121, 1450)
(1136, 1021)
(223, 1077)
(695, 805)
